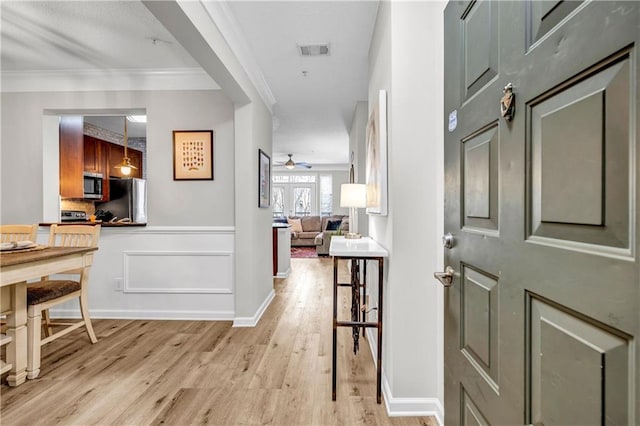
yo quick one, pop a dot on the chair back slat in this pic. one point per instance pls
(18, 233)
(74, 236)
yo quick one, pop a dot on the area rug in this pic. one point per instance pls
(303, 252)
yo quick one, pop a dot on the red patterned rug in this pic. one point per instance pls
(303, 252)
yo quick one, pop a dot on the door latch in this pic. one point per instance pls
(446, 277)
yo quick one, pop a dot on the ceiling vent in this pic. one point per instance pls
(314, 49)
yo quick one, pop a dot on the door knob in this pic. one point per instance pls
(447, 240)
(446, 277)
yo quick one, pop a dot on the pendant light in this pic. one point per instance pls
(125, 166)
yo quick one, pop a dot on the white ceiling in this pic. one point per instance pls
(72, 35)
(116, 124)
(312, 114)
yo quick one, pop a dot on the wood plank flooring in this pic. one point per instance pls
(201, 372)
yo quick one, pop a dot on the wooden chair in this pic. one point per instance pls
(18, 233)
(47, 293)
(12, 233)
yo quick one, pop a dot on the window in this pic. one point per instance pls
(277, 201)
(326, 195)
(302, 201)
(296, 194)
(303, 178)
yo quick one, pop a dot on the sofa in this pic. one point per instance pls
(312, 230)
(323, 239)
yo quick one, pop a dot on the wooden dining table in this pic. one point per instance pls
(18, 267)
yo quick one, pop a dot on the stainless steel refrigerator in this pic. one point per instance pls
(128, 199)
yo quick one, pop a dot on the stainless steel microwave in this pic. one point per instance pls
(93, 185)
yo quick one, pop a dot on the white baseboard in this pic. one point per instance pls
(284, 274)
(253, 321)
(147, 314)
(403, 407)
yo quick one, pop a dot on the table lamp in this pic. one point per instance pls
(354, 196)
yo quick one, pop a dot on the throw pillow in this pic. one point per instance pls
(296, 225)
(333, 225)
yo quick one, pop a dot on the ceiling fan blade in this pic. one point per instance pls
(290, 163)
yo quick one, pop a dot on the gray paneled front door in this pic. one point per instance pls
(542, 321)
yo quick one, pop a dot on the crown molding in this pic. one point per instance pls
(224, 19)
(107, 80)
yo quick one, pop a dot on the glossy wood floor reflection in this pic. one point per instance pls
(200, 372)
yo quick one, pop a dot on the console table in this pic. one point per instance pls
(358, 251)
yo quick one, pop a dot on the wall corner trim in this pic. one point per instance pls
(223, 17)
(403, 407)
(253, 321)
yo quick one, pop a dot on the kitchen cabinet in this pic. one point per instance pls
(71, 157)
(95, 161)
(94, 155)
(136, 160)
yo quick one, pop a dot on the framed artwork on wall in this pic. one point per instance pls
(376, 162)
(193, 155)
(264, 179)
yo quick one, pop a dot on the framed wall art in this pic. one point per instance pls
(193, 155)
(376, 162)
(264, 179)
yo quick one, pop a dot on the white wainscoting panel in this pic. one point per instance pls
(178, 272)
(160, 272)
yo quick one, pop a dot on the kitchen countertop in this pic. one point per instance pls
(104, 224)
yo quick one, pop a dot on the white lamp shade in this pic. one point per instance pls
(353, 195)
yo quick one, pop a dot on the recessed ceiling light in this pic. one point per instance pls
(137, 118)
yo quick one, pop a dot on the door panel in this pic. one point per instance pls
(471, 414)
(594, 365)
(480, 318)
(480, 179)
(542, 321)
(545, 15)
(480, 48)
(580, 158)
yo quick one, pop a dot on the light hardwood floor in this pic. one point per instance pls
(200, 372)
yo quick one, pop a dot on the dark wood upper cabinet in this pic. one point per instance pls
(94, 155)
(136, 159)
(71, 157)
(95, 161)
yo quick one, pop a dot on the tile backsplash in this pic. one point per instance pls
(85, 206)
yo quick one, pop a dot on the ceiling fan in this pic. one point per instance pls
(290, 164)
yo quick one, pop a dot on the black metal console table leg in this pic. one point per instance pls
(379, 316)
(358, 317)
(335, 327)
(355, 303)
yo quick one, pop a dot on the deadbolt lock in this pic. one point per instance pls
(447, 240)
